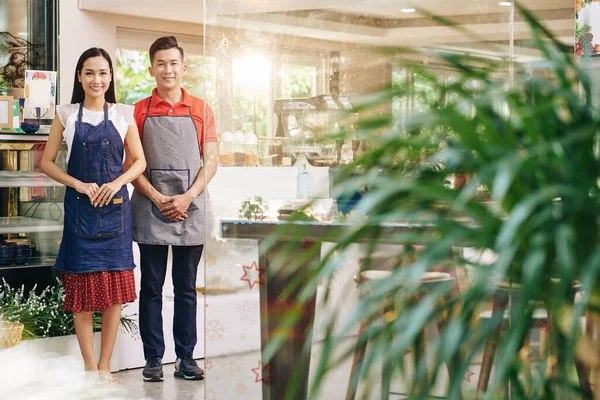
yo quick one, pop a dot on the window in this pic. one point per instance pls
(298, 80)
(251, 94)
(240, 85)
(133, 82)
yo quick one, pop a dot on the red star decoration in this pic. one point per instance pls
(259, 374)
(253, 266)
(208, 365)
(468, 376)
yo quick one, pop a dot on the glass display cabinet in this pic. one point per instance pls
(31, 212)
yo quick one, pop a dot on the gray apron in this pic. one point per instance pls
(173, 162)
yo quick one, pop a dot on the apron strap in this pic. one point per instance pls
(148, 108)
(105, 111)
(80, 114)
(146, 117)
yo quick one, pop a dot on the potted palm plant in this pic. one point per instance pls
(539, 163)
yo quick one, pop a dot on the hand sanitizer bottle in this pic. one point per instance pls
(303, 190)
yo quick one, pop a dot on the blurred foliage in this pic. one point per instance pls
(531, 146)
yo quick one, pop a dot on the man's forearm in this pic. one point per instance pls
(204, 176)
(143, 186)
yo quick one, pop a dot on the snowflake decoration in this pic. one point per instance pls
(215, 330)
(248, 311)
(211, 260)
(211, 394)
(229, 366)
(241, 389)
(208, 365)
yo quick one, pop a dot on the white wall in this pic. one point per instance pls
(78, 31)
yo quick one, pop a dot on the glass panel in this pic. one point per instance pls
(31, 215)
(31, 204)
(341, 55)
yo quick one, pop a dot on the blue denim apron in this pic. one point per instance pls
(96, 239)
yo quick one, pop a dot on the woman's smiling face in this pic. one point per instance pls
(95, 76)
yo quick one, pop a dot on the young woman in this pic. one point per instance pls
(95, 256)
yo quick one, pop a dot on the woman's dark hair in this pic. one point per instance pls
(164, 43)
(78, 93)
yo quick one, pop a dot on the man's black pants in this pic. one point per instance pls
(154, 269)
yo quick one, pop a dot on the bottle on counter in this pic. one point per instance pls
(226, 149)
(239, 153)
(303, 190)
(251, 150)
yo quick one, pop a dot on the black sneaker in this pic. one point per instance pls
(153, 371)
(187, 368)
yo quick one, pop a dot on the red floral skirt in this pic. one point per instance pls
(96, 291)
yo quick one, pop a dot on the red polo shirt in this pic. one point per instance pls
(202, 114)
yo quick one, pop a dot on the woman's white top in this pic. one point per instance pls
(121, 116)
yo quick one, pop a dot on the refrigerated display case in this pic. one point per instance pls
(31, 212)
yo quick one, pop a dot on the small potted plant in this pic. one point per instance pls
(253, 208)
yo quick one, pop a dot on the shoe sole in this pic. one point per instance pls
(154, 378)
(181, 375)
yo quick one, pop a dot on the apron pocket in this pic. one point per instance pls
(99, 222)
(169, 182)
(96, 158)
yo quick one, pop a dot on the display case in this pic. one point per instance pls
(320, 128)
(31, 212)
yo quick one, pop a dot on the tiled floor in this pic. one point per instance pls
(227, 378)
(29, 375)
(237, 378)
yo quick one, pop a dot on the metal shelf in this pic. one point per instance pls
(23, 137)
(28, 225)
(26, 179)
(37, 262)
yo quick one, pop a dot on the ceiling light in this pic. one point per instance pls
(408, 10)
(505, 3)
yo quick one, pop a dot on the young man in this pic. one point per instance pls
(180, 144)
